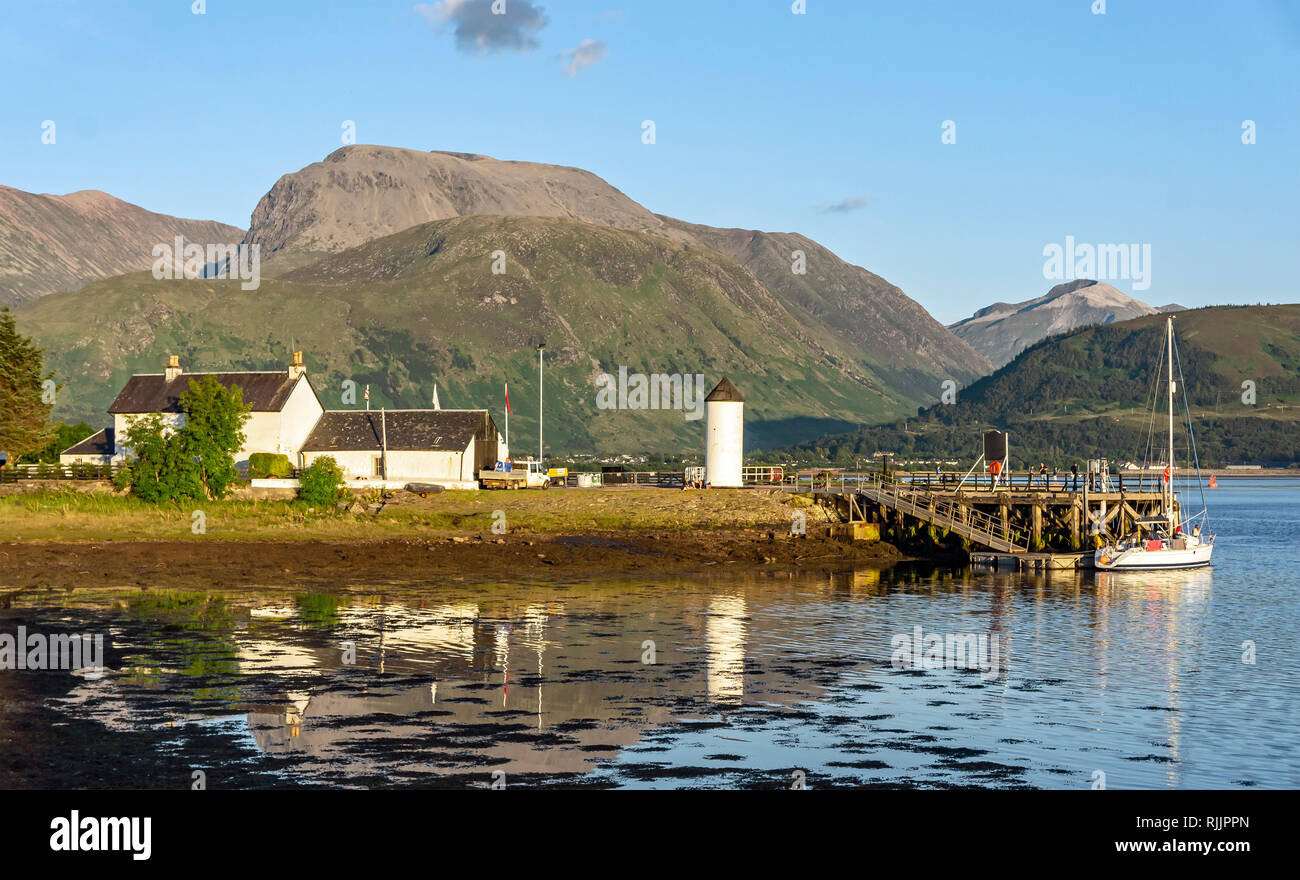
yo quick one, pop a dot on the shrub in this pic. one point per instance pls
(321, 482)
(262, 465)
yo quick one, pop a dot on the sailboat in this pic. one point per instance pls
(1168, 540)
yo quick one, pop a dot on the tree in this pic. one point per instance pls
(155, 471)
(321, 482)
(65, 435)
(213, 432)
(24, 412)
(194, 461)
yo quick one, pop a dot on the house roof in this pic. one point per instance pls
(99, 443)
(725, 391)
(151, 392)
(440, 430)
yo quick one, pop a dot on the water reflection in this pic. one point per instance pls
(753, 677)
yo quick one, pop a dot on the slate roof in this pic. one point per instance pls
(440, 430)
(725, 391)
(151, 392)
(99, 443)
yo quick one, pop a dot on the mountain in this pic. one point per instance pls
(902, 344)
(1003, 330)
(360, 193)
(1089, 394)
(378, 262)
(1171, 307)
(422, 306)
(50, 243)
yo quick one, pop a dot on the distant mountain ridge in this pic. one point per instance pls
(1090, 393)
(381, 263)
(50, 243)
(1003, 330)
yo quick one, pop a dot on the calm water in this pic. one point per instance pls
(755, 680)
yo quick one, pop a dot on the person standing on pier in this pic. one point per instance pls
(1042, 472)
(1074, 469)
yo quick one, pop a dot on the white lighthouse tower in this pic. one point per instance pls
(724, 445)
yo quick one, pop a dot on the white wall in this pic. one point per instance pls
(425, 466)
(122, 423)
(301, 412)
(261, 434)
(724, 444)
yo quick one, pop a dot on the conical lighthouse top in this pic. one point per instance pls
(724, 391)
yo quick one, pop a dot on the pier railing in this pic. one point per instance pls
(1137, 482)
(926, 503)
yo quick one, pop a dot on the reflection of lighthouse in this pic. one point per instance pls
(724, 414)
(724, 637)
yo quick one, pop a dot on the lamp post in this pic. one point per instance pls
(541, 352)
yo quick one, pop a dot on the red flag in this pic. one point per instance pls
(508, 409)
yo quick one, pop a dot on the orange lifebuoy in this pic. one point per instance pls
(1105, 560)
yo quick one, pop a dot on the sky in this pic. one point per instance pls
(1119, 127)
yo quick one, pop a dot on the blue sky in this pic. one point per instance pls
(1117, 128)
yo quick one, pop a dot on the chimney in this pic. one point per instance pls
(297, 369)
(173, 367)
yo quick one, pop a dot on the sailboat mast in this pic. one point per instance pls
(1169, 504)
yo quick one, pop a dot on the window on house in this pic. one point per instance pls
(378, 470)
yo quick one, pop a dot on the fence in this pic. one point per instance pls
(15, 472)
(662, 479)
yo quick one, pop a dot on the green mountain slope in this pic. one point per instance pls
(423, 306)
(897, 337)
(1088, 394)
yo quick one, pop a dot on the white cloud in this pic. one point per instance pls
(585, 54)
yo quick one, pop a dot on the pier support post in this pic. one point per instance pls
(1036, 520)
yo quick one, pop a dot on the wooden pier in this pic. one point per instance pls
(1033, 561)
(1020, 514)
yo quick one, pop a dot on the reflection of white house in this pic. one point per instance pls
(437, 446)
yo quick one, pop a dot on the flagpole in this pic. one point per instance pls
(540, 349)
(507, 417)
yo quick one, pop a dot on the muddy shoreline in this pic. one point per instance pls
(326, 564)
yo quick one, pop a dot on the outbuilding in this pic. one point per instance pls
(393, 447)
(98, 448)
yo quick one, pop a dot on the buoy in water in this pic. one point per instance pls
(1214, 481)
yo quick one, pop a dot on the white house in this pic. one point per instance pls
(283, 403)
(444, 446)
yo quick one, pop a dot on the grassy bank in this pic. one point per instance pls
(64, 515)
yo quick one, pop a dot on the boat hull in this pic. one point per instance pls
(1138, 559)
